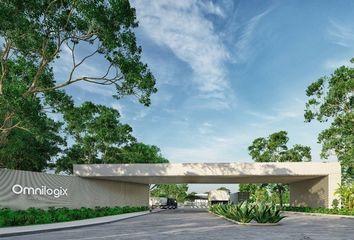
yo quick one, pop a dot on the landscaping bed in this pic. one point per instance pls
(248, 214)
(10, 217)
(337, 211)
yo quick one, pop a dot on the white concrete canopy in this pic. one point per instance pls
(311, 183)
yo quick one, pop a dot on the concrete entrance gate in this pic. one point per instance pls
(311, 183)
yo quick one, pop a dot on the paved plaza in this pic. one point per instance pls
(183, 224)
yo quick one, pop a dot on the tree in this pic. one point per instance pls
(40, 140)
(346, 193)
(274, 149)
(177, 191)
(36, 33)
(191, 197)
(246, 187)
(140, 153)
(332, 99)
(98, 135)
(25, 151)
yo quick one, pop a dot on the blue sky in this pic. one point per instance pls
(228, 72)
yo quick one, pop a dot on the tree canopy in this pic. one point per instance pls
(274, 149)
(40, 124)
(331, 99)
(36, 33)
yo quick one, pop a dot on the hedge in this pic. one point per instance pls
(10, 217)
(339, 211)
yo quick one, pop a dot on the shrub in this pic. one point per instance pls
(264, 213)
(245, 212)
(10, 217)
(346, 192)
(241, 213)
(340, 211)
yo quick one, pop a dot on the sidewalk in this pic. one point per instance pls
(15, 231)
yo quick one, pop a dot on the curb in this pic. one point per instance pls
(246, 224)
(40, 228)
(319, 214)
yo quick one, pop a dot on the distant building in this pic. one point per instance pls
(218, 196)
(239, 197)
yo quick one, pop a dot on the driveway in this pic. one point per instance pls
(195, 224)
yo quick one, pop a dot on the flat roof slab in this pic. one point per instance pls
(270, 172)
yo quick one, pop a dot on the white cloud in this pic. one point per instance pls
(182, 27)
(118, 107)
(292, 109)
(243, 44)
(212, 8)
(341, 34)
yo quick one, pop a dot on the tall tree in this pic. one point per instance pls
(32, 147)
(274, 149)
(26, 151)
(97, 133)
(332, 99)
(36, 33)
(136, 153)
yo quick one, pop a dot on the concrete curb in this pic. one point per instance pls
(246, 224)
(32, 229)
(319, 214)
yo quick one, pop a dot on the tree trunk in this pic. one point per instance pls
(281, 198)
(6, 128)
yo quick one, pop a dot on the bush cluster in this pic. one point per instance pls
(10, 217)
(245, 212)
(339, 211)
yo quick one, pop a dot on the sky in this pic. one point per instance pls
(228, 72)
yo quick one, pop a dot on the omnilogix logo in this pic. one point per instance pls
(43, 190)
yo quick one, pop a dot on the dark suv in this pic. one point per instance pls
(171, 203)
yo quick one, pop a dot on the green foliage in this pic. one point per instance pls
(335, 203)
(339, 211)
(274, 149)
(23, 151)
(9, 217)
(346, 193)
(28, 137)
(261, 195)
(332, 99)
(264, 213)
(250, 188)
(241, 213)
(98, 136)
(191, 196)
(246, 212)
(34, 35)
(140, 153)
(177, 191)
(39, 30)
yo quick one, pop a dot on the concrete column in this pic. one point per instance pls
(318, 192)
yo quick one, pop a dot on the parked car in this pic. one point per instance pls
(168, 203)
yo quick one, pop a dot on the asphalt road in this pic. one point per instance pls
(198, 224)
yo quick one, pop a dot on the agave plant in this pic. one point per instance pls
(243, 212)
(263, 213)
(218, 209)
